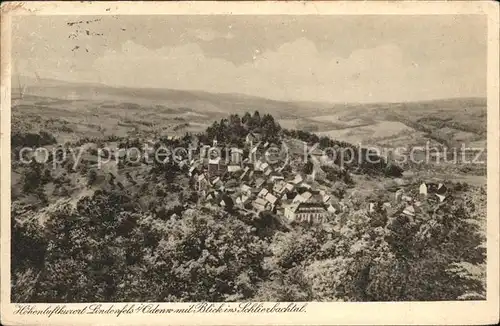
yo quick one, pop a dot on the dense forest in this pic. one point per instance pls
(106, 249)
(150, 241)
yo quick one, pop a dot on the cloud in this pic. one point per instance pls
(295, 71)
(208, 35)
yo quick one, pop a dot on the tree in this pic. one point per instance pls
(254, 122)
(246, 118)
(206, 258)
(392, 170)
(91, 177)
(308, 167)
(28, 253)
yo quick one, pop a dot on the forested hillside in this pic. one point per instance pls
(133, 231)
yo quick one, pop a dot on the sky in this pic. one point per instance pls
(355, 58)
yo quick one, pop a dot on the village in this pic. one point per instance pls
(253, 185)
(248, 181)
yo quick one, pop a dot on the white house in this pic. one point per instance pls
(271, 198)
(409, 211)
(407, 198)
(423, 189)
(236, 155)
(298, 179)
(233, 168)
(276, 178)
(332, 209)
(246, 189)
(306, 185)
(202, 182)
(306, 195)
(242, 200)
(298, 199)
(215, 181)
(263, 192)
(260, 204)
(306, 212)
(302, 198)
(289, 187)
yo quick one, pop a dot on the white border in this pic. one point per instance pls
(415, 313)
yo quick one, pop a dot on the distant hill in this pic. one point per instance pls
(449, 122)
(200, 101)
(122, 109)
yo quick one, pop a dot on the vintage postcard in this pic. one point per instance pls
(250, 163)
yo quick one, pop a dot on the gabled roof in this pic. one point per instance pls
(306, 195)
(298, 179)
(245, 187)
(306, 185)
(271, 198)
(298, 199)
(441, 189)
(260, 201)
(332, 209)
(214, 160)
(263, 192)
(306, 206)
(259, 182)
(233, 168)
(243, 175)
(441, 197)
(253, 134)
(409, 210)
(292, 207)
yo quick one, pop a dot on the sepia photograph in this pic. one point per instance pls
(247, 163)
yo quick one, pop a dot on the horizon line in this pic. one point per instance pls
(242, 94)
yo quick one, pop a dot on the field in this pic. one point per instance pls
(93, 110)
(70, 111)
(379, 130)
(451, 122)
(149, 222)
(69, 120)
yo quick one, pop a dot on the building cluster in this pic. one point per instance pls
(254, 185)
(427, 191)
